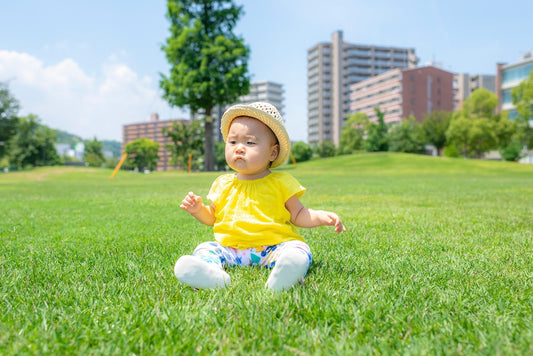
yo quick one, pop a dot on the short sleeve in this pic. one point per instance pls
(217, 187)
(291, 186)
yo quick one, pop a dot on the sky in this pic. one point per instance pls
(90, 67)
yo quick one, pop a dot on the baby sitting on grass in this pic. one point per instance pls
(253, 211)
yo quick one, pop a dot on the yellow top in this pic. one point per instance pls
(252, 213)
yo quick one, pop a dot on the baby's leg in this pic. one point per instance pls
(291, 260)
(204, 268)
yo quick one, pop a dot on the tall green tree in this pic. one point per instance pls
(209, 63)
(9, 107)
(301, 151)
(352, 133)
(523, 100)
(406, 137)
(187, 139)
(476, 129)
(376, 140)
(435, 126)
(93, 154)
(142, 154)
(33, 144)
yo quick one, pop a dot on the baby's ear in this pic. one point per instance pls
(274, 153)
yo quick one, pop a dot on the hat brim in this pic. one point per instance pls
(277, 128)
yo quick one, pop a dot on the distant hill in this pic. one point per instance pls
(71, 139)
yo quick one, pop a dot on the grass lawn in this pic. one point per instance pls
(437, 259)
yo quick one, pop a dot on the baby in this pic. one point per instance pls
(253, 211)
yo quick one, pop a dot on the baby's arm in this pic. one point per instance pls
(304, 217)
(193, 204)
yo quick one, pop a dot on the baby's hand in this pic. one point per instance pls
(335, 220)
(191, 203)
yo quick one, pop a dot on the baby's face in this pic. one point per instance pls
(250, 147)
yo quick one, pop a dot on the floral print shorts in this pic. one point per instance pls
(266, 256)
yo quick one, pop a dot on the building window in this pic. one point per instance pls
(412, 89)
(412, 78)
(412, 101)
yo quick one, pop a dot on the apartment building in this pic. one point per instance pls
(153, 130)
(400, 93)
(265, 91)
(509, 76)
(332, 68)
(465, 84)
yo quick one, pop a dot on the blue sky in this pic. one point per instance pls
(89, 67)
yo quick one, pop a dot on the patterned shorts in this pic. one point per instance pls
(266, 256)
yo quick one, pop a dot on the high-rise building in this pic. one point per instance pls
(332, 68)
(269, 92)
(153, 130)
(400, 93)
(265, 91)
(509, 76)
(465, 84)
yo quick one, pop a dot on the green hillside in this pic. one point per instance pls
(437, 259)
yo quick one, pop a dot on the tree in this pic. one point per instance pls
(187, 139)
(93, 153)
(376, 140)
(142, 154)
(476, 129)
(301, 151)
(435, 126)
(352, 134)
(406, 137)
(9, 108)
(208, 61)
(523, 100)
(33, 144)
(326, 149)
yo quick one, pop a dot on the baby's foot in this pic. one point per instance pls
(195, 272)
(290, 268)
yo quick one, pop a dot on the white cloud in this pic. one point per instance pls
(65, 97)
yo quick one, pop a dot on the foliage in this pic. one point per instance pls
(325, 149)
(436, 261)
(93, 153)
(435, 126)
(142, 154)
(208, 61)
(352, 134)
(301, 151)
(220, 155)
(451, 151)
(406, 137)
(68, 138)
(523, 100)
(376, 140)
(187, 139)
(475, 129)
(512, 152)
(33, 144)
(9, 107)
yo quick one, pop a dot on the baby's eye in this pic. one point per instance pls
(232, 142)
(250, 143)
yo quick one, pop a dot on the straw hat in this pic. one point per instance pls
(268, 115)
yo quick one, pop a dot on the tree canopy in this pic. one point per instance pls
(209, 63)
(187, 139)
(142, 154)
(9, 107)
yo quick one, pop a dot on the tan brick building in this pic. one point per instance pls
(152, 130)
(400, 93)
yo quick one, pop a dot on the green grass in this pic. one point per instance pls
(437, 259)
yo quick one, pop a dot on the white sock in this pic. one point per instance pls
(197, 273)
(289, 269)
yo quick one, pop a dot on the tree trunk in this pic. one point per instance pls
(209, 158)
